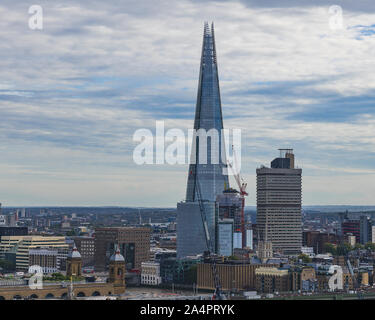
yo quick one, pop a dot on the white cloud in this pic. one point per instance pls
(76, 91)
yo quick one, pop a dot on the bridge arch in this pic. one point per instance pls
(96, 294)
(64, 295)
(2, 298)
(17, 297)
(34, 296)
(49, 295)
(81, 294)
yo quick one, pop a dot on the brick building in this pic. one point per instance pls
(317, 240)
(86, 247)
(134, 245)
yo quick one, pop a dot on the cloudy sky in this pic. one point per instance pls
(73, 94)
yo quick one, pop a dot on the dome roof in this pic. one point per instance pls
(117, 256)
(74, 253)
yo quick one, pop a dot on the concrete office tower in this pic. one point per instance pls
(209, 174)
(279, 202)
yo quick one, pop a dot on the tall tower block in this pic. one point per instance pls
(210, 171)
(208, 115)
(279, 204)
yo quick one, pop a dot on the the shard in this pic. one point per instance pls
(208, 115)
(210, 175)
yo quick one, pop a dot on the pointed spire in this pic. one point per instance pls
(208, 115)
(75, 253)
(206, 28)
(117, 256)
(117, 250)
(213, 42)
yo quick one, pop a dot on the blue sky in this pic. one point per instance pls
(73, 94)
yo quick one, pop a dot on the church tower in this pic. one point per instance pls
(74, 263)
(117, 271)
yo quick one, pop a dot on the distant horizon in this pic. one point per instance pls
(162, 207)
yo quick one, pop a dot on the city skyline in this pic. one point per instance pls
(76, 91)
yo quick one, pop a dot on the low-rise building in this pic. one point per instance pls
(340, 261)
(347, 280)
(20, 246)
(150, 274)
(233, 275)
(271, 279)
(317, 240)
(309, 251)
(303, 278)
(173, 270)
(45, 258)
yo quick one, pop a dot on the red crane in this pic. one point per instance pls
(242, 189)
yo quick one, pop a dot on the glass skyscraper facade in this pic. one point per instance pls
(190, 231)
(211, 175)
(208, 116)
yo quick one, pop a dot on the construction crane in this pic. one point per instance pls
(242, 189)
(210, 249)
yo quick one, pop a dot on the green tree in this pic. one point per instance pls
(343, 249)
(305, 258)
(330, 248)
(370, 246)
(60, 277)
